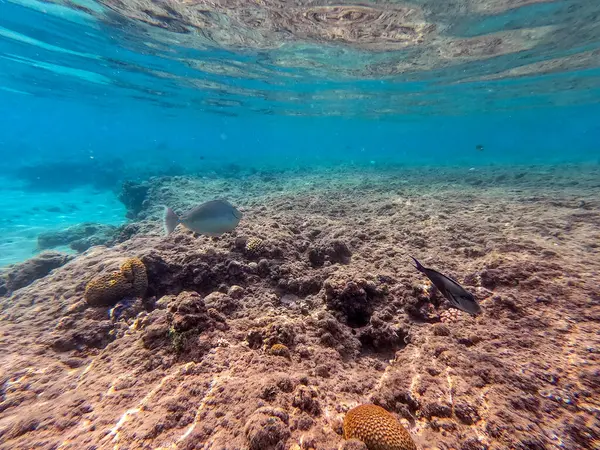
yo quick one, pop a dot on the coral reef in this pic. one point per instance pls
(188, 361)
(377, 428)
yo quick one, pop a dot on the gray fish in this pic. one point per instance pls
(454, 292)
(212, 218)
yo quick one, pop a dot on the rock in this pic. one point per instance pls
(236, 292)
(334, 251)
(353, 444)
(78, 237)
(86, 333)
(3, 288)
(267, 429)
(132, 195)
(263, 267)
(221, 302)
(280, 334)
(192, 357)
(306, 399)
(352, 301)
(336, 335)
(189, 312)
(466, 413)
(322, 371)
(475, 444)
(156, 332)
(380, 336)
(439, 329)
(21, 275)
(254, 339)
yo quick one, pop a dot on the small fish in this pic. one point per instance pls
(479, 147)
(212, 218)
(454, 292)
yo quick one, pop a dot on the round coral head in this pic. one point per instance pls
(377, 428)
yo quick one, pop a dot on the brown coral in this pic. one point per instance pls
(377, 428)
(280, 350)
(106, 290)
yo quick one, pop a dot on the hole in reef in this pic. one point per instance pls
(358, 319)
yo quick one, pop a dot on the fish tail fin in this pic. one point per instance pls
(418, 265)
(171, 220)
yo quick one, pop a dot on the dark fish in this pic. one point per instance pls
(212, 218)
(479, 148)
(454, 292)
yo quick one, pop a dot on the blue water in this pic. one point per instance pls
(90, 96)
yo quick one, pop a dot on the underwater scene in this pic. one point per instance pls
(300, 225)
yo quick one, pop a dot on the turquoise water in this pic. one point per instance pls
(94, 93)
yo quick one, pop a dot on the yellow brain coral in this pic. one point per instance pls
(280, 350)
(134, 271)
(254, 246)
(106, 290)
(377, 428)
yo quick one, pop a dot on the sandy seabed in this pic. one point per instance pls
(320, 263)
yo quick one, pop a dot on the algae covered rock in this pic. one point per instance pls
(280, 350)
(333, 251)
(21, 275)
(267, 429)
(130, 281)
